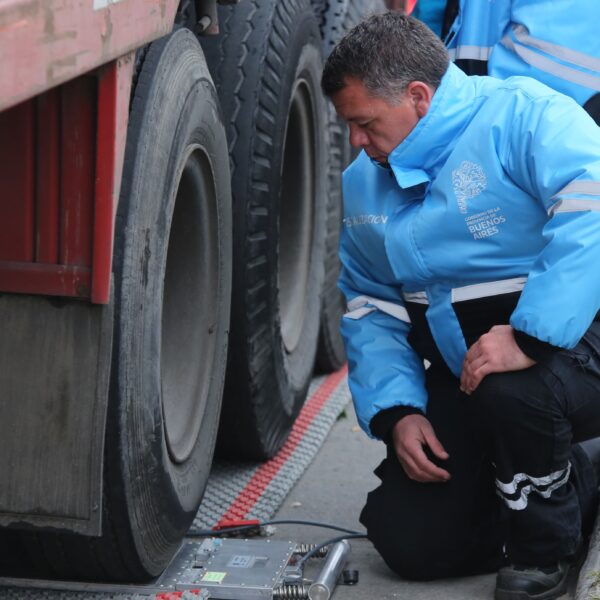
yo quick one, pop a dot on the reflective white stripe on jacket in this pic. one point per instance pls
(555, 42)
(497, 189)
(477, 28)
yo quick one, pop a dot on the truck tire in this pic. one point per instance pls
(331, 354)
(267, 65)
(338, 17)
(172, 287)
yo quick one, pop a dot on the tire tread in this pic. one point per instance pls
(250, 84)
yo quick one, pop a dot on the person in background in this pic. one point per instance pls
(431, 12)
(553, 41)
(436, 14)
(403, 6)
(471, 239)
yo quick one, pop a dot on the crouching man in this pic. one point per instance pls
(471, 240)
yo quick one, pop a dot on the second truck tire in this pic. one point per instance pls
(267, 65)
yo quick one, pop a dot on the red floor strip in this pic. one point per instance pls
(254, 489)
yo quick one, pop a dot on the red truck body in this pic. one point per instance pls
(64, 100)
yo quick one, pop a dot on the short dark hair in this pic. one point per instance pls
(386, 52)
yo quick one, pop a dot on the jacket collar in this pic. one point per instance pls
(419, 157)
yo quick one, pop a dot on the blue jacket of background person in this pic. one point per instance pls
(496, 188)
(431, 12)
(553, 41)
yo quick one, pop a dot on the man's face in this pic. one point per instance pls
(375, 125)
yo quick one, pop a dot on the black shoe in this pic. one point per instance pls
(532, 583)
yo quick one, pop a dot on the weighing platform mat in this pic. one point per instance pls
(256, 490)
(240, 491)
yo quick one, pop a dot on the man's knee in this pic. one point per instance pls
(414, 559)
(505, 399)
(413, 545)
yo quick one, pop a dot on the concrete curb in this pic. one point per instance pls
(588, 583)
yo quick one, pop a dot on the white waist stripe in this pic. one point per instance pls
(472, 292)
(592, 188)
(361, 306)
(470, 52)
(561, 52)
(574, 205)
(549, 65)
(553, 481)
(416, 297)
(359, 313)
(483, 290)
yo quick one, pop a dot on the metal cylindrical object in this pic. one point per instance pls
(324, 584)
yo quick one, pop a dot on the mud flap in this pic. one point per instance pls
(54, 377)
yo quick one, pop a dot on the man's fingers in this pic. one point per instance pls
(473, 352)
(410, 435)
(413, 472)
(422, 476)
(425, 468)
(470, 365)
(435, 445)
(476, 364)
(478, 375)
(466, 380)
(465, 377)
(494, 352)
(411, 464)
(473, 372)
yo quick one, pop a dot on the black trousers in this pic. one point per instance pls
(521, 489)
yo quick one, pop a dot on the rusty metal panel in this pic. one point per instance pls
(54, 374)
(17, 147)
(44, 43)
(48, 178)
(40, 278)
(61, 159)
(78, 133)
(114, 88)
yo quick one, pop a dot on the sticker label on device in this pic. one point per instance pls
(213, 576)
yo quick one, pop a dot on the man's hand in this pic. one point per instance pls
(494, 352)
(409, 435)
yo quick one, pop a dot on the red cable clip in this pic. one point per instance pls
(231, 523)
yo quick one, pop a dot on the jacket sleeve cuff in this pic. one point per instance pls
(534, 348)
(383, 422)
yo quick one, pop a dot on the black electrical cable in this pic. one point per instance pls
(313, 524)
(327, 543)
(226, 530)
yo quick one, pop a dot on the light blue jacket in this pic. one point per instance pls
(553, 41)
(496, 189)
(431, 12)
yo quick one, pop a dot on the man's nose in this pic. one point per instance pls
(357, 138)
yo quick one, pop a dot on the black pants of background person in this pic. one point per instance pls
(519, 485)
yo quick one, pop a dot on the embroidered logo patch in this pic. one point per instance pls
(354, 220)
(468, 181)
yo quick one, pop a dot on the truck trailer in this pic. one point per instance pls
(169, 215)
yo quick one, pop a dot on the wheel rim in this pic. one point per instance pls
(296, 215)
(190, 306)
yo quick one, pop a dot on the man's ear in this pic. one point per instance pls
(420, 94)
